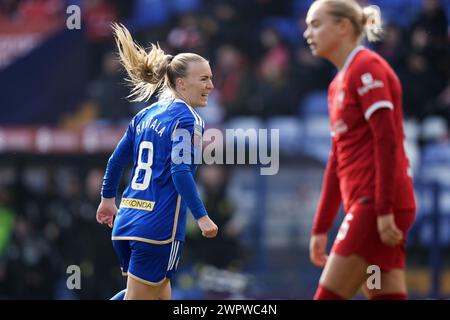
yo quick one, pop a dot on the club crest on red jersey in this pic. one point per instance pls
(369, 83)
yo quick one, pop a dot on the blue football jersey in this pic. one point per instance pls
(151, 209)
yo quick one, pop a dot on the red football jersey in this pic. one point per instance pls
(366, 84)
(368, 164)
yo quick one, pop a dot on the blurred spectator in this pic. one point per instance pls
(233, 80)
(392, 45)
(429, 36)
(308, 74)
(214, 181)
(187, 35)
(234, 23)
(29, 269)
(98, 16)
(433, 20)
(419, 85)
(95, 254)
(424, 73)
(275, 51)
(108, 92)
(274, 93)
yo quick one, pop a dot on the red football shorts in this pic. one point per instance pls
(358, 235)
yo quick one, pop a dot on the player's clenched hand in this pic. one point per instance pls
(207, 226)
(106, 211)
(317, 249)
(389, 233)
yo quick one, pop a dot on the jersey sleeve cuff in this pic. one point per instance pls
(318, 230)
(378, 105)
(108, 194)
(198, 214)
(384, 211)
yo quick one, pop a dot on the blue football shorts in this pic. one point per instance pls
(146, 262)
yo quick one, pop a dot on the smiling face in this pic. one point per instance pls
(321, 33)
(196, 86)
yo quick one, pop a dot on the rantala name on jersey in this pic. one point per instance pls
(151, 123)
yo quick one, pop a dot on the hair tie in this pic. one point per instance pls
(169, 58)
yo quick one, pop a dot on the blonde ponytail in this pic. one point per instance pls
(146, 71)
(372, 23)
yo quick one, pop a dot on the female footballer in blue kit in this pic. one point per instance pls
(149, 227)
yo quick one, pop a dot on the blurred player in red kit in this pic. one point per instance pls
(368, 170)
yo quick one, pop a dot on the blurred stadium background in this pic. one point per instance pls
(62, 110)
